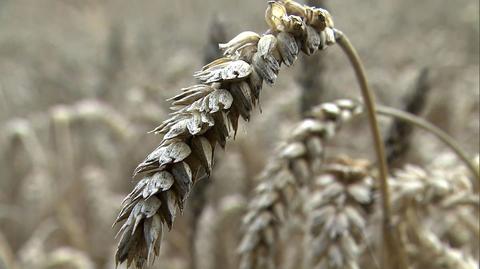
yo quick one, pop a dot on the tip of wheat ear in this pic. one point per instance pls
(205, 115)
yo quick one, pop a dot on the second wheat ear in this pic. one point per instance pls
(206, 114)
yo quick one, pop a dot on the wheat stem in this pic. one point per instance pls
(441, 135)
(391, 242)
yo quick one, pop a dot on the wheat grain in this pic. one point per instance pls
(206, 114)
(299, 158)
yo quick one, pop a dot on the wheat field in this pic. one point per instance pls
(239, 134)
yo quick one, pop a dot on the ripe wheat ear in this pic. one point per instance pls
(207, 114)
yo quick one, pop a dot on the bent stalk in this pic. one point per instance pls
(391, 242)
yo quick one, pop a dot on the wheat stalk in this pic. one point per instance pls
(205, 115)
(300, 158)
(391, 241)
(336, 211)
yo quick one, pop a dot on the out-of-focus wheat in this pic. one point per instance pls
(7, 257)
(433, 207)
(425, 189)
(205, 115)
(38, 145)
(430, 252)
(299, 158)
(63, 257)
(33, 253)
(336, 209)
(214, 243)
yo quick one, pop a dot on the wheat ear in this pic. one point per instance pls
(299, 158)
(419, 192)
(336, 212)
(205, 115)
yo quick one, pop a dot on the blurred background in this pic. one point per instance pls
(82, 82)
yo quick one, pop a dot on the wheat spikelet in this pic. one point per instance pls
(300, 158)
(336, 211)
(205, 115)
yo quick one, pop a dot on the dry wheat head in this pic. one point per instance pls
(207, 114)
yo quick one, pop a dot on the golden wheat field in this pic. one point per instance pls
(316, 134)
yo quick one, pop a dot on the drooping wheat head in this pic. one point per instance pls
(207, 114)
